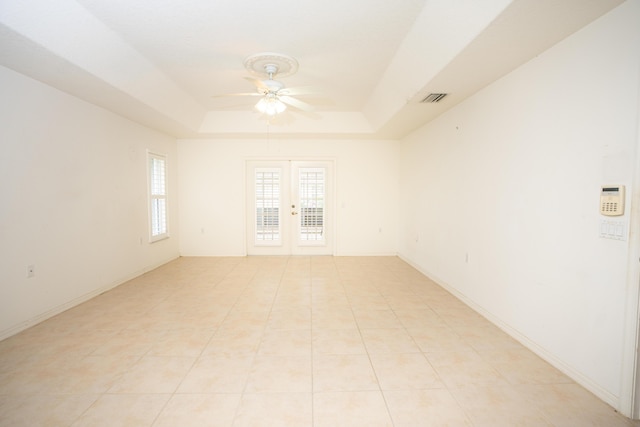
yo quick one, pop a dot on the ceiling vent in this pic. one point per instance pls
(433, 98)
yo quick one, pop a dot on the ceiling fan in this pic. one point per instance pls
(274, 95)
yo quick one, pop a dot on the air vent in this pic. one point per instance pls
(433, 98)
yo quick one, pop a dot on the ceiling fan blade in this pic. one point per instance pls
(258, 83)
(237, 94)
(296, 103)
(232, 107)
(300, 90)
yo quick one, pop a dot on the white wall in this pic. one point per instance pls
(73, 200)
(212, 192)
(499, 198)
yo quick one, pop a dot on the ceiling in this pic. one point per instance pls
(371, 62)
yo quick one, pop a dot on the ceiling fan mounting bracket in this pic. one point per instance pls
(268, 64)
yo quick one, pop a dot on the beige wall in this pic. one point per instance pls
(212, 192)
(499, 199)
(73, 191)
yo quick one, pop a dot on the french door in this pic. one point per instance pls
(289, 207)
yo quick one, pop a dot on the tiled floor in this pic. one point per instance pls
(284, 341)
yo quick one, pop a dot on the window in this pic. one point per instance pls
(312, 191)
(267, 194)
(158, 197)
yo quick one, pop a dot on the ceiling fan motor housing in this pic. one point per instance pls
(273, 85)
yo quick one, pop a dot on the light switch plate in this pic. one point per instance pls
(611, 229)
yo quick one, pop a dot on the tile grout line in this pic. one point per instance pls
(257, 350)
(199, 355)
(384, 399)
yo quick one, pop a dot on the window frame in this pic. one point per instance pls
(154, 198)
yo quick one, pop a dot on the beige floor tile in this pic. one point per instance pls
(123, 410)
(333, 319)
(375, 319)
(35, 376)
(362, 288)
(441, 300)
(295, 280)
(237, 319)
(404, 371)
(396, 288)
(418, 318)
(58, 410)
(12, 361)
(181, 342)
(197, 410)
(498, 406)
(289, 318)
(521, 366)
(329, 302)
(433, 408)
(295, 342)
(329, 280)
(94, 374)
(275, 409)
(218, 374)
(388, 341)
(301, 341)
(153, 374)
(291, 297)
(484, 336)
(338, 341)
(343, 372)
(203, 320)
(275, 374)
(73, 344)
(463, 369)
(568, 405)
(437, 338)
(409, 301)
(24, 344)
(368, 302)
(350, 408)
(430, 291)
(253, 304)
(128, 343)
(234, 342)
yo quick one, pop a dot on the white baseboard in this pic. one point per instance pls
(549, 357)
(365, 254)
(15, 329)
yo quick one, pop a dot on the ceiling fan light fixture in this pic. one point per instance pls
(270, 105)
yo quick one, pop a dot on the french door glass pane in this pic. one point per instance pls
(267, 190)
(311, 188)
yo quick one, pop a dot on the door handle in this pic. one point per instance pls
(294, 213)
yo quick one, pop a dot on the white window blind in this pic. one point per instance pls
(267, 193)
(158, 197)
(311, 187)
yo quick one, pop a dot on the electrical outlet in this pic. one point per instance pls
(31, 270)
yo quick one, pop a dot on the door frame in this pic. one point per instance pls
(331, 220)
(629, 402)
